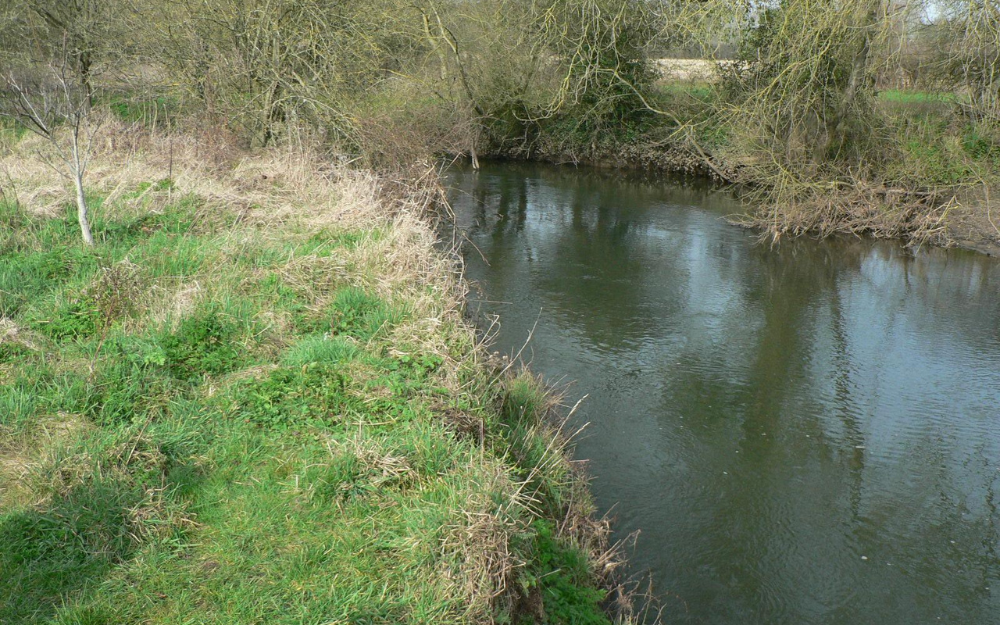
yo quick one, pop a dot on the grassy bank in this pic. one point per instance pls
(256, 400)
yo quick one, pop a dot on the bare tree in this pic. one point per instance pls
(53, 103)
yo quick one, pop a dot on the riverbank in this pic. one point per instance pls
(930, 180)
(961, 216)
(257, 400)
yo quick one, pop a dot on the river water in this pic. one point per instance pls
(807, 433)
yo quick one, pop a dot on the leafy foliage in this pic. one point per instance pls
(312, 395)
(357, 313)
(563, 574)
(205, 343)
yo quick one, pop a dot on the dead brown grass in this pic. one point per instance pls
(10, 332)
(25, 460)
(290, 185)
(859, 209)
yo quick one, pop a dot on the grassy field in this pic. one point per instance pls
(257, 401)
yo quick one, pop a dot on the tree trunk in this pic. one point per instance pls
(837, 127)
(81, 200)
(84, 60)
(81, 211)
(437, 48)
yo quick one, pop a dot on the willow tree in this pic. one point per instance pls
(801, 97)
(516, 64)
(493, 68)
(968, 52)
(603, 47)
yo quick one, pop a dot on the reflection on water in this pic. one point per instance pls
(803, 434)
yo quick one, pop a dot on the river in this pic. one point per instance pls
(802, 433)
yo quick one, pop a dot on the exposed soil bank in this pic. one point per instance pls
(975, 223)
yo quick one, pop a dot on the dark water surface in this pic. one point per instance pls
(806, 434)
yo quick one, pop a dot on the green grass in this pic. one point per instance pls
(149, 111)
(678, 90)
(204, 424)
(938, 148)
(11, 130)
(904, 96)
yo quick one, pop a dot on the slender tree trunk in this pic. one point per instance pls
(452, 42)
(474, 155)
(437, 48)
(837, 127)
(84, 60)
(82, 213)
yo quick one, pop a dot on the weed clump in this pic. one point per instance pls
(359, 314)
(319, 349)
(12, 352)
(130, 385)
(562, 574)
(312, 395)
(70, 320)
(204, 343)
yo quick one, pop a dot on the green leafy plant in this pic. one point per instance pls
(562, 573)
(72, 319)
(310, 395)
(358, 313)
(202, 344)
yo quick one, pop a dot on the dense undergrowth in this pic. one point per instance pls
(256, 400)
